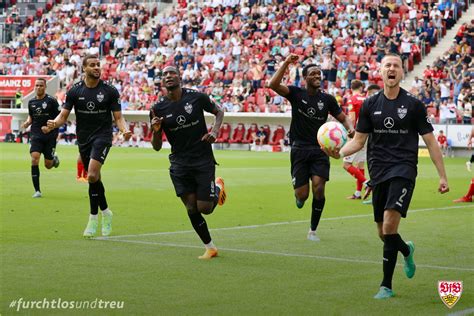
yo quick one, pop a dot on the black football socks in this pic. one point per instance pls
(316, 211)
(35, 176)
(200, 226)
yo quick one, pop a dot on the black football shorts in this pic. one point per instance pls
(96, 149)
(199, 180)
(45, 145)
(306, 163)
(395, 194)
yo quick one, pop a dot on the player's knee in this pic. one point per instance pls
(35, 160)
(302, 195)
(93, 177)
(48, 164)
(191, 209)
(318, 191)
(205, 208)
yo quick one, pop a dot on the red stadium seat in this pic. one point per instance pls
(278, 135)
(239, 134)
(224, 133)
(250, 132)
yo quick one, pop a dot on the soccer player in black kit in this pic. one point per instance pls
(180, 115)
(310, 108)
(94, 103)
(41, 108)
(392, 119)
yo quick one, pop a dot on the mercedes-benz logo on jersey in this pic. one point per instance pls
(311, 111)
(188, 108)
(388, 122)
(320, 105)
(38, 110)
(90, 105)
(100, 97)
(181, 120)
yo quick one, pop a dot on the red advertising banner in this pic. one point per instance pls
(10, 84)
(5, 124)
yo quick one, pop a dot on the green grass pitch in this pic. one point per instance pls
(265, 265)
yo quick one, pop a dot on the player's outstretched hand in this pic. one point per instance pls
(45, 129)
(331, 152)
(209, 137)
(443, 186)
(126, 135)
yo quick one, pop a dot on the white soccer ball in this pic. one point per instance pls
(332, 135)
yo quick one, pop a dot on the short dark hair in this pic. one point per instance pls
(42, 79)
(373, 87)
(85, 60)
(356, 84)
(307, 67)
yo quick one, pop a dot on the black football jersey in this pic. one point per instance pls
(308, 113)
(184, 126)
(42, 110)
(93, 108)
(394, 126)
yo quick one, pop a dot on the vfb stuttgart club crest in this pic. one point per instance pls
(100, 97)
(188, 108)
(402, 112)
(450, 292)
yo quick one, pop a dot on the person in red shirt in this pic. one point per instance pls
(428, 72)
(443, 142)
(354, 164)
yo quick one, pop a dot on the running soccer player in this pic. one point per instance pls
(310, 108)
(94, 101)
(180, 115)
(41, 108)
(392, 121)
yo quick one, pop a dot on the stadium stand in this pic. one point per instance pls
(229, 49)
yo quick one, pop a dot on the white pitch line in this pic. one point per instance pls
(283, 254)
(468, 311)
(277, 223)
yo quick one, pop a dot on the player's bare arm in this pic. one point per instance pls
(353, 146)
(437, 158)
(27, 123)
(275, 82)
(212, 135)
(59, 120)
(122, 125)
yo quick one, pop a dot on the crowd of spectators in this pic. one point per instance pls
(230, 48)
(446, 86)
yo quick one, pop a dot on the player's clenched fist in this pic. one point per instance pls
(292, 58)
(51, 124)
(45, 129)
